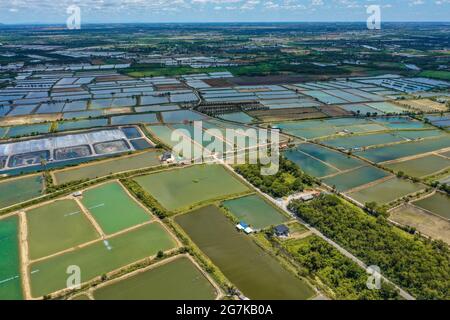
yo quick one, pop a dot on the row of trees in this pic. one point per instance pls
(288, 180)
(420, 266)
(344, 277)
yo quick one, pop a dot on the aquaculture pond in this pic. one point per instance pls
(421, 167)
(81, 124)
(10, 279)
(179, 188)
(355, 178)
(405, 149)
(386, 191)
(308, 164)
(438, 203)
(359, 141)
(336, 159)
(103, 168)
(50, 275)
(57, 226)
(26, 130)
(240, 117)
(255, 211)
(254, 272)
(112, 207)
(30, 187)
(179, 279)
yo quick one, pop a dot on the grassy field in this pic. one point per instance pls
(422, 221)
(57, 226)
(103, 168)
(113, 208)
(257, 274)
(19, 190)
(255, 211)
(10, 280)
(179, 279)
(50, 275)
(442, 75)
(180, 188)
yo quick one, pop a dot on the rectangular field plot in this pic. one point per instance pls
(164, 134)
(148, 118)
(50, 275)
(336, 159)
(386, 191)
(104, 168)
(72, 152)
(423, 221)
(10, 279)
(240, 117)
(179, 188)
(81, 124)
(57, 226)
(179, 279)
(361, 109)
(386, 107)
(438, 204)
(360, 141)
(255, 211)
(312, 129)
(355, 178)
(19, 190)
(112, 208)
(254, 272)
(421, 167)
(181, 116)
(401, 123)
(404, 150)
(308, 164)
(111, 147)
(27, 130)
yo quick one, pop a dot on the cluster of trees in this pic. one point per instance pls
(344, 277)
(288, 180)
(421, 266)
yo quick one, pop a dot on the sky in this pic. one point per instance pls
(154, 11)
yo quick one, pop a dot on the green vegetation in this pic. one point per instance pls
(156, 70)
(176, 280)
(442, 75)
(289, 178)
(344, 277)
(419, 266)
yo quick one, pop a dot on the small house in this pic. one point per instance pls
(281, 231)
(167, 157)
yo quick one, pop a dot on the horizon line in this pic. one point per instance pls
(213, 22)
